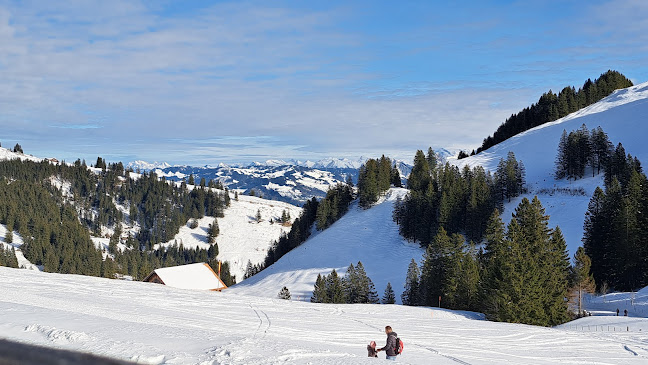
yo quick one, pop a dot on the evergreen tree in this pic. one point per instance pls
(395, 177)
(333, 206)
(562, 164)
(213, 232)
(114, 240)
(596, 242)
(383, 174)
(433, 269)
(191, 180)
(284, 293)
(320, 294)
(467, 295)
(411, 294)
(389, 297)
(527, 273)
(601, 149)
(368, 184)
(323, 213)
(351, 285)
(258, 216)
(372, 297)
(18, 148)
(558, 270)
(335, 288)
(582, 279)
(226, 276)
(364, 285)
(9, 237)
(432, 160)
(419, 178)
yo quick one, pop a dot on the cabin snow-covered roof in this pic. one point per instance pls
(192, 276)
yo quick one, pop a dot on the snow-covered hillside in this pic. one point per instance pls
(6, 154)
(241, 238)
(636, 303)
(156, 324)
(622, 116)
(368, 235)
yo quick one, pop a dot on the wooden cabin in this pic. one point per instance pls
(198, 276)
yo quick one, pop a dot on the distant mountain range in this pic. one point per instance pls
(292, 181)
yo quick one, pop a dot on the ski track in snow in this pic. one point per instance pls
(156, 324)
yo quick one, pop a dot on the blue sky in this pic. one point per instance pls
(203, 82)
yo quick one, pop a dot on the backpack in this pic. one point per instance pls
(399, 346)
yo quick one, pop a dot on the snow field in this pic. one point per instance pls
(241, 238)
(156, 324)
(369, 236)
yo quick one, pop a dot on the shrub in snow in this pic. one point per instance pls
(284, 293)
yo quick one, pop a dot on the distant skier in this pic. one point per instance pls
(390, 347)
(617, 312)
(625, 312)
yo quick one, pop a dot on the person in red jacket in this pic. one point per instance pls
(391, 344)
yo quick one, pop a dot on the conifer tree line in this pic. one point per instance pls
(56, 224)
(582, 149)
(522, 275)
(334, 205)
(354, 287)
(616, 225)
(551, 106)
(8, 257)
(442, 196)
(375, 178)
(299, 232)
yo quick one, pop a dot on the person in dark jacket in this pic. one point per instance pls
(391, 344)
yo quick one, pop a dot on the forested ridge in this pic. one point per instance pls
(56, 206)
(552, 106)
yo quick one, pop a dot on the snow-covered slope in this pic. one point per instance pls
(636, 303)
(368, 235)
(241, 238)
(156, 324)
(6, 154)
(622, 116)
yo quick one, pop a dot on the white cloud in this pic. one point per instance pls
(87, 78)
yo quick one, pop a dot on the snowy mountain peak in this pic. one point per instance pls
(339, 163)
(147, 166)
